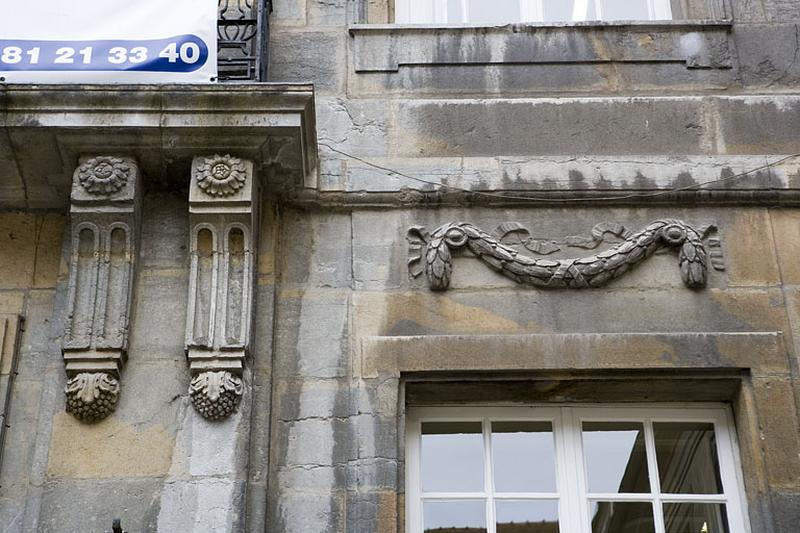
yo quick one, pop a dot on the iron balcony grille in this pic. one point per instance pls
(242, 37)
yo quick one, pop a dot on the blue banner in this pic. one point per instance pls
(181, 53)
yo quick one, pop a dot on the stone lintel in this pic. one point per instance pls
(758, 352)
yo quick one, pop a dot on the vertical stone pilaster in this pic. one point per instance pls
(104, 212)
(222, 213)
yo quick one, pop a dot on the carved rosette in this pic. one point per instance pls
(91, 397)
(221, 175)
(103, 175)
(215, 395)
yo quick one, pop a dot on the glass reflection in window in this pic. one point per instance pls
(452, 457)
(687, 457)
(615, 456)
(527, 516)
(623, 517)
(695, 517)
(465, 516)
(523, 457)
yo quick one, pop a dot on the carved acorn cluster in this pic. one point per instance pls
(216, 395)
(91, 397)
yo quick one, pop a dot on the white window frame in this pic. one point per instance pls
(435, 11)
(574, 501)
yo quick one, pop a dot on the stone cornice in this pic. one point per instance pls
(413, 198)
(45, 128)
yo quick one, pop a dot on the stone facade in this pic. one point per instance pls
(531, 167)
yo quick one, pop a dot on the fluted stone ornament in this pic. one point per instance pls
(104, 219)
(435, 254)
(223, 219)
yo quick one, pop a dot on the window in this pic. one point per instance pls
(572, 470)
(509, 11)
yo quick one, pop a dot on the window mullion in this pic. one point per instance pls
(465, 11)
(440, 11)
(580, 11)
(488, 485)
(655, 481)
(662, 10)
(576, 473)
(531, 10)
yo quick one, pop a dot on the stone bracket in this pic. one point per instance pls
(223, 215)
(387, 47)
(105, 212)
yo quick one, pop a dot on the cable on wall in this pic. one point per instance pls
(698, 186)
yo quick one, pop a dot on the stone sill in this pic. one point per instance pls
(387, 47)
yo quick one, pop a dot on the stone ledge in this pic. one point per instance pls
(45, 128)
(760, 352)
(697, 43)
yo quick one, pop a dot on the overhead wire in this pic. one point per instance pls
(696, 186)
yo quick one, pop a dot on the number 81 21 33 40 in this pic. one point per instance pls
(180, 54)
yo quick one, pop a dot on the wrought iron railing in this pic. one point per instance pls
(242, 39)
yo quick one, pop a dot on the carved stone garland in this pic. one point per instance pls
(579, 273)
(104, 215)
(223, 216)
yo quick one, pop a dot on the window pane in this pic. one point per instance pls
(616, 458)
(624, 517)
(557, 10)
(524, 457)
(527, 516)
(687, 458)
(624, 9)
(494, 12)
(455, 11)
(452, 457)
(461, 516)
(695, 517)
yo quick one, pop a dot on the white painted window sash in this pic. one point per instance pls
(580, 11)
(435, 11)
(531, 10)
(571, 478)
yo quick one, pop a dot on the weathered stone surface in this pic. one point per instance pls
(344, 339)
(354, 125)
(101, 501)
(780, 431)
(387, 48)
(320, 253)
(309, 55)
(36, 244)
(112, 450)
